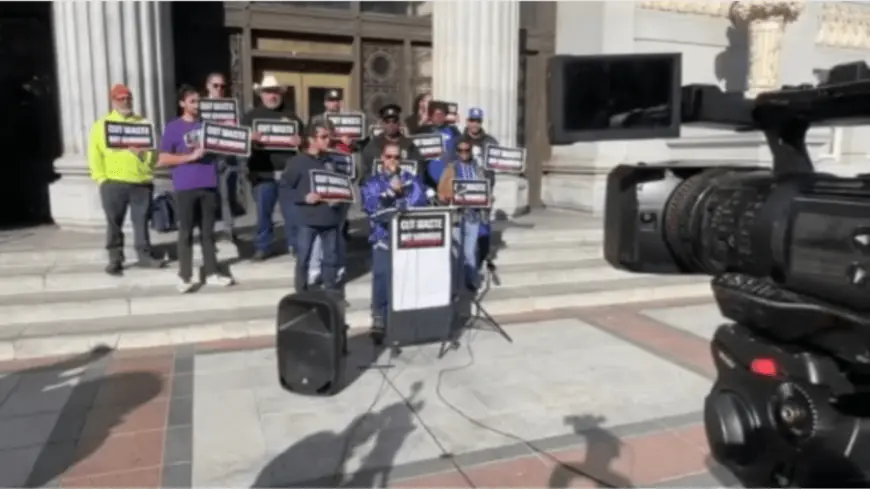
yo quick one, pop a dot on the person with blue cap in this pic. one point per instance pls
(479, 140)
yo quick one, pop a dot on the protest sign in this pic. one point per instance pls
(228, 140)
(409, 166)
(130, 135)
(332, 186)
(504, 159)
(276, 135)
(431, 146)
(343, 163)
(471, 193)
(219, 110)
(350, 124)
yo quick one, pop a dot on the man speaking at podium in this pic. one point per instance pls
(383, 194)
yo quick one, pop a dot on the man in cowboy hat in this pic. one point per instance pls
(391, 115)
(265, 166)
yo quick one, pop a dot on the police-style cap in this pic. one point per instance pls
(437, 105)
(475, 114)
(333, 94)
(390, 110)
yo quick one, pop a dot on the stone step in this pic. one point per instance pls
(247, 314)
(264, 286)
(80, 277)
(513, 236)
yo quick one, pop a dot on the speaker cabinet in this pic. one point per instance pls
(311, 343)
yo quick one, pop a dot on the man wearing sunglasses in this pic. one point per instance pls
(383, 194)
(264, 167)
(125, 177)
(480, 139)
(466, 167)
(390, 122)
(228, 170)
(316, 219)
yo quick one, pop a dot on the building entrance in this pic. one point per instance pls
(308, 83)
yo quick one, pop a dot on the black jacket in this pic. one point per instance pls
(296, 179)
(479, 142)
(262, 163)
(375, 147)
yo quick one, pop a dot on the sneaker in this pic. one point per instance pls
(149, 262)
(222, 280)
(260, 256)
(115, 269)
(184, 286)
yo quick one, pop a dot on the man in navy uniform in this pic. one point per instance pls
(383, 194)
(391, 116)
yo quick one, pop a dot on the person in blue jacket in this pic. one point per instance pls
(383, 194)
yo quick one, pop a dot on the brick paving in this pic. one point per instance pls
(594, 397)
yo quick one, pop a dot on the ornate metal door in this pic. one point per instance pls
(383, 74)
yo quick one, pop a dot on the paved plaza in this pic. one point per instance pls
(588, 397)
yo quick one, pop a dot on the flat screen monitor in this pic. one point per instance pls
(610, 97)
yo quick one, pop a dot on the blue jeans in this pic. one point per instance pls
(467, 240)
(267, 195)
(315, 263)
(329, 237)
(380, 281)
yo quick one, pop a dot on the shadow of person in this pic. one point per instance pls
(394, 424)
(731, 66)
(320, 459)
(602, 449)
(93, 405)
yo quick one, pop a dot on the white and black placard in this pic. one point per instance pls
(219, 110)
(276, 135)
(130, 135)
(332, 186)
(452, 115)
(504, 159)
(228, 140)
(409, 166)
(343, 163)
(421, 274)
(350, 124)
(431, 146)
(471, 193)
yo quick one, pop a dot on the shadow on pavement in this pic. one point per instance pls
(75, 435)
(305, 462)
(602, 449)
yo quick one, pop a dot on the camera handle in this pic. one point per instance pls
(787, 144)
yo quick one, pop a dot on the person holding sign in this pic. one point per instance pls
(124, 175)
(265, 166)
(438, 123)
(390, 120)
(480, 139)
(382, 195)
(465, 167)
(228, 170)
(317, 217)
(194, 178)
(418, 121)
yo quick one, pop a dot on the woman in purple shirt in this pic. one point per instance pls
(194, 177)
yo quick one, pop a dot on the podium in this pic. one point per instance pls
(422, 268)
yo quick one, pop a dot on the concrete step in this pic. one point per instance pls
(161, 320)
(263, 285)
(17, 281)
(57, 257)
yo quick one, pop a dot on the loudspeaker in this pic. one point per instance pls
(311, 343)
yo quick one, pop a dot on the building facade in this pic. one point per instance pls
(487, 54)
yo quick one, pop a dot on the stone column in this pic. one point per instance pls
(98, 44)
(766, 22)
(475, 51)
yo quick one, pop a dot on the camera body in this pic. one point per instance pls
(789, 253)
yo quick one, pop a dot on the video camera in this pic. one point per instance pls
(789, 252)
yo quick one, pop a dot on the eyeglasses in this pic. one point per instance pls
(391, 157)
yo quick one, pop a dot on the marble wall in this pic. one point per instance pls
(715, 50)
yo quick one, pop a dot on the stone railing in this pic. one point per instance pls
(844, 25)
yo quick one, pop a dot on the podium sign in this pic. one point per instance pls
(421, 276)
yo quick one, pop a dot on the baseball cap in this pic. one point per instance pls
(120, 90)
(475, 114)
